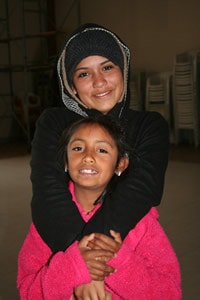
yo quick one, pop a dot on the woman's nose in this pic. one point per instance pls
(99, 80)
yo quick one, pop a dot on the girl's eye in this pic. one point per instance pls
(101, 150)
(77, 148)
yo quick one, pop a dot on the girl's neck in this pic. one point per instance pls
(86, 197)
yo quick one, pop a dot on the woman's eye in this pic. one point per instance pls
(84, 74)
(108, 67)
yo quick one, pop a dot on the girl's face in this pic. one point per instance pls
(92, 157)
(98, 83)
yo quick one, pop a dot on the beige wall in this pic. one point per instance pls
(154, 30)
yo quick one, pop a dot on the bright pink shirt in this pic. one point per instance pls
(147, 267)
(85, 215)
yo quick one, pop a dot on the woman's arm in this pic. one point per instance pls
(54, 214)
(146, 264)
(142, 187)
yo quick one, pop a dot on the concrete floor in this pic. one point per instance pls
(179, 215)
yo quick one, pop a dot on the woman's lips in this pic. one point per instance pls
(102, 95)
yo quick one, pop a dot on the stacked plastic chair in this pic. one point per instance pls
(136, 102)
(186, 96)
(158, 94)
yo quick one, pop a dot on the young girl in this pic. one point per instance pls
(144, 266)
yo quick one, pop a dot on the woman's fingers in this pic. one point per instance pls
(97, 255)
(102, 241)
(96, 249)
(116, 235)
(96, 262)
(85, 240)
(99, 270)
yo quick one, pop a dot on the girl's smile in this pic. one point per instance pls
(88, 172)
(92, 157)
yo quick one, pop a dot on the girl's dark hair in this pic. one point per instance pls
(113, 128)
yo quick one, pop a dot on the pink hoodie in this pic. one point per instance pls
(147, 267)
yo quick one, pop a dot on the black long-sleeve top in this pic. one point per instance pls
(55, 214)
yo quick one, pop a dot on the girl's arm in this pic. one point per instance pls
(93, 290)
(146, 264)
(44, 275)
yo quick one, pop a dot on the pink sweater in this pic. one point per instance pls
(147, 267)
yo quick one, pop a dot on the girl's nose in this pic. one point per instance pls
(88, 159)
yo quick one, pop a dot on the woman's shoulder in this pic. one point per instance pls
(140, 122)
(56, 111)
(136, 115)
(57, 114)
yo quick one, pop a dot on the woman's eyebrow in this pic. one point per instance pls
(85, 67)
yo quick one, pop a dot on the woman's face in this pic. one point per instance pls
(98, 83)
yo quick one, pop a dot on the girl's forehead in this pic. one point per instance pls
(91, 130)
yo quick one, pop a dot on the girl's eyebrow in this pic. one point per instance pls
(76, 140)
(96, 141)
(104, 142)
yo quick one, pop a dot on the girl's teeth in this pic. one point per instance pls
(88, 171)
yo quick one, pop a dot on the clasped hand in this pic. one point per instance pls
(96, 249)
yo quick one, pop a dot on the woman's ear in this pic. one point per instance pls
(74, 90)
(122, 165)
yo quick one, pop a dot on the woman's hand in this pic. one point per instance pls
(92, 291)
(97, 257)
(102, 241)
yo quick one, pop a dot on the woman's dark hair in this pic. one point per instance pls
(110, 125)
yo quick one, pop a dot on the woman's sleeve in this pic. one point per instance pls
(53, 212)
(55, 215)
(146, 265)
(42, 275)
(142, 188)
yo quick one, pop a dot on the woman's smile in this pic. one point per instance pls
(98, 83)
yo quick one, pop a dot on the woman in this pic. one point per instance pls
(146, 265)
(93, 74)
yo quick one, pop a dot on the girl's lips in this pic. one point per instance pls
(88, 171)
